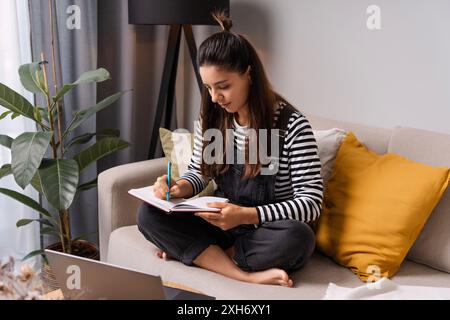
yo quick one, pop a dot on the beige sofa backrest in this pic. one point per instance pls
(432, 247)
(376, 139)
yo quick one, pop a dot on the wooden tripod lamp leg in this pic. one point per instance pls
(169, 72)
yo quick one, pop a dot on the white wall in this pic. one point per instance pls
(322, 57)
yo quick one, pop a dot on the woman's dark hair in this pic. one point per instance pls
(232, 52)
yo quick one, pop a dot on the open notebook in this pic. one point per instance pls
(176, 204)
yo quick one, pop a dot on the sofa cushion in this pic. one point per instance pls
(128, 248)
(178, 148)
(432, 247)
(328, 142)
(371, 214)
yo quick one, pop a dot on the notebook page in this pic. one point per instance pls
(202, 202)
(146, 194)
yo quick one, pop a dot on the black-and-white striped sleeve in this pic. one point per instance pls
(299, 184)
(193, 174)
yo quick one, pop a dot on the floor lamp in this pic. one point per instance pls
(180, 15)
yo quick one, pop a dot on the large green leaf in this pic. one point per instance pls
(32, 77)
(32, 254)
(50, 231)
(5, 114)
(43, 112)
(85, 138)
(27, 151)
(5, 170)
(99, 150)
(98, 75)
(13, 101)
(6, 141)
(37, 183)
(25, 200)
(83, 115)
(59, 180)
(24, 222)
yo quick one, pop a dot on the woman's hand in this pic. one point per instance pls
(230, 215)
(160, 188)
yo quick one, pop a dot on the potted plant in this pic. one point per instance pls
(42, 159)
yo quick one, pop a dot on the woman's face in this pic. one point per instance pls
(228, 89)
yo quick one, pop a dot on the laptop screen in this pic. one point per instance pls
(85, 279)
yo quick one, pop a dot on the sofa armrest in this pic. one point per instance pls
(116, 208)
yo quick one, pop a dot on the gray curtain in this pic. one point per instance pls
(134, 56)
(76, 52)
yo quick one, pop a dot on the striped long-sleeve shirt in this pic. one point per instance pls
(298, 184)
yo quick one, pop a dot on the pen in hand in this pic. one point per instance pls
(169, 171)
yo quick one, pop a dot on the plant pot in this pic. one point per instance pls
(80, 248)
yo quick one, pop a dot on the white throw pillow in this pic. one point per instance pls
(329, 142)
(182, 151)
(178, 147)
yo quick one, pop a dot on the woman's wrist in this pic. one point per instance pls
(250, 215)
(186, 188)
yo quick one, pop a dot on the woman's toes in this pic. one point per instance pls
(162, 255)
(288, 283)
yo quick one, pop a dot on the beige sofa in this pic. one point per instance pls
(122, 244)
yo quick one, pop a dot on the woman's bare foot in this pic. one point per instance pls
(163, 255)
(271, 276)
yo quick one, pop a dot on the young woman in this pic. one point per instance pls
(262, 234)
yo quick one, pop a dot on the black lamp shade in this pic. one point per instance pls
(175, 11)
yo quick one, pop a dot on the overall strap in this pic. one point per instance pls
(282, 123)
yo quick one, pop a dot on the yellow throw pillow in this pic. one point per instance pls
(178, 148)
(375, 207)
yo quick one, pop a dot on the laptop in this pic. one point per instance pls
(85, 279)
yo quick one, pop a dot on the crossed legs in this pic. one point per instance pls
(217, 260)
(185, 239)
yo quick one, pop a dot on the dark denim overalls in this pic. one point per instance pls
(285, 244)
